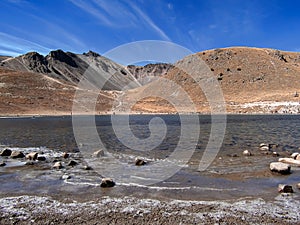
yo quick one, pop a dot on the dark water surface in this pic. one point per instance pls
(230, 175)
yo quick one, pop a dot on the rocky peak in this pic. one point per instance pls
(62, 56)
(91, 53)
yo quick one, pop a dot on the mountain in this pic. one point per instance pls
(70, 67)
(150, 72)
(252, 80)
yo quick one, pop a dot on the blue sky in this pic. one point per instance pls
(100, 25)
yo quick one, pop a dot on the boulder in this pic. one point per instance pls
(41, 158)
(294, 155)
(57, 165)
(280, 167)
(107, 182)
(17, 154)
(6, 152)
(290, 161)
(32, 156)
(284, 188)
(65, 155)
(247, 153)
(66, 177)
(72, 163)
(99, 153)
(140, 162)
(2, 163)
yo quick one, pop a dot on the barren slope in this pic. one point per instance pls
(252, 80)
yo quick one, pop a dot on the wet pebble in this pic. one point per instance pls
(41, 158)
(2, 164)
(140, 162)
(284, 188)
(294, 155)
(107, 182)
(17, 154)
(247, 153)
(66, 177)
(99, 153)
(6, 152)
(280, 167)
(32, 156)
(57, 165)
(72, 163)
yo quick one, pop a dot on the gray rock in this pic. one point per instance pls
(6, 152)
(247, 153)
(57, 165)
(294, 155)
(17, 154)
(66, 177)
(280, 167)
(72, 163)
(140, 162)
(284, 188)
(41, 158)
(99, 153)
(107, 182)
(32, 156)
(65, 155)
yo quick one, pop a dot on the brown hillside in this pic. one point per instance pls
(245, 75)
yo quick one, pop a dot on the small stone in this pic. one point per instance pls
(294, 155)
(6, 152)
(2, 164)
(32, 156)
(65, 155)
(57, 165)
(107, 182)
(298, 157)
(275, 154)
(66, 177)
(280, 167)
(247, 153)
(17, 154)
(41, 158)
(264, 148)
(298, 185)
(284, 188)
(140, 162)
(87, 168)
(99, 153)
(263, 144)
(72, 163)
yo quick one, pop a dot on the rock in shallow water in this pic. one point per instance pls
(6, 152)
(2, 164)
(247, 153)
(284, 188)
(294, 155)
(107, 182)
(57, 165)
(72, 163)
(280, 167)
(32, 156)
(140, 162)
(17, 154)
(99, 153)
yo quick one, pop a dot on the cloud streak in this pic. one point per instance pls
(117, 15)
(13, 46)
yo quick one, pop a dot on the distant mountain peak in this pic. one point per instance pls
(91, 53)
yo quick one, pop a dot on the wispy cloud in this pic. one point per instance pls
(13, 45)
(148, 20)
(116, 14)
